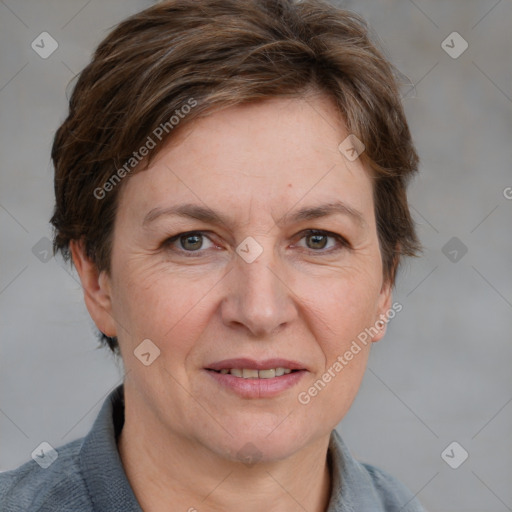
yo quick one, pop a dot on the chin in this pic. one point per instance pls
(264, 443)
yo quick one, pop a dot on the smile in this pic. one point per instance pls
(249, 373)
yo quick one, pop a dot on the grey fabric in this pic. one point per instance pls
(88, 476)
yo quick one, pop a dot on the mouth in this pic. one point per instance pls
(252, 373)
(247, 368)
(250, 378)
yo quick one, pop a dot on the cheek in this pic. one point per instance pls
(342, 382)
(341, 305)
(165, 307)
(348, 308)
(341, 314)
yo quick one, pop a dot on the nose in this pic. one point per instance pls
(258, 297)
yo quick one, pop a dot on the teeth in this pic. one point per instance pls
(249, 373)
(266, 374)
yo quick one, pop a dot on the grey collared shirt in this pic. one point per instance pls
(88, 476)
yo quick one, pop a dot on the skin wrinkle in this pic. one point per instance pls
(303, 76)
(290, 302)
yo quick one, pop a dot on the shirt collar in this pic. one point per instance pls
(352, 487)
(104, 475)
(109, 488)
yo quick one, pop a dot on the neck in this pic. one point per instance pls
(168, 470)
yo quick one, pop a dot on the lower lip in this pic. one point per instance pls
(257, 388)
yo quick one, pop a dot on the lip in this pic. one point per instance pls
(256, 388)
(244, 362)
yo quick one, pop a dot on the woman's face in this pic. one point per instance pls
(254, 285)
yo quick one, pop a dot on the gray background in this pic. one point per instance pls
(441, 374)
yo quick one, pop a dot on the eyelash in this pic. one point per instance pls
(344, 244)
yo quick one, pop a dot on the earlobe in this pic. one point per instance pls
(96, 287)
(385, 298)
(383, 310)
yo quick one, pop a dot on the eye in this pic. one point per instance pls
(318, 240)
(189, 242)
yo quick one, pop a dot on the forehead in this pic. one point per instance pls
(264, 156)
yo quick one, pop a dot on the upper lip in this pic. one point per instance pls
(247, 363)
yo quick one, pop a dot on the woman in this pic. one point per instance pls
(230, 185)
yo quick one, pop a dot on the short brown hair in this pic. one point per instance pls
(222, 53)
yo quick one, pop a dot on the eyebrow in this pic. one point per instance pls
(204, 214)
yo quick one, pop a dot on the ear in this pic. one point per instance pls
(97, 289)
(383, 308)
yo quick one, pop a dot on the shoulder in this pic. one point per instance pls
(393, 494)
(59, 487)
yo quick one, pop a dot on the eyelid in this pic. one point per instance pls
(175, 238)
(302, 234)
(339, 238)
